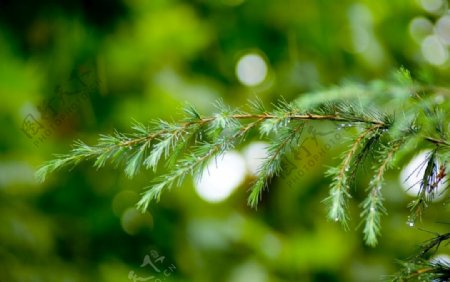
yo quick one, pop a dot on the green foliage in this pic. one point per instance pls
(80, 70)
(189, 145)
(422, 268)
(283, 143)
(373, 205)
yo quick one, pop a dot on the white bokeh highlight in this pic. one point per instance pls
(251, 69)
(431, 5)
(361, 25)
(443, 29)
(434, 51)
(221, 177)
(412, 174)
(249, 271)
(360, 39)
(254, 154)
(419, 28)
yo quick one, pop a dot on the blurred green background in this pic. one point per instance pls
(74, 69)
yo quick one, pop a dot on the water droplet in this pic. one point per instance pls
(410, 222)
(346, 168)
(336, 219)
(341, 126)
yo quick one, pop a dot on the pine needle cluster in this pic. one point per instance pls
(389, 121)
(424, 268)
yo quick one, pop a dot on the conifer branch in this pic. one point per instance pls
(434, 176)
(186, 147)
(439, 142)
(421, 267)
(339, 193)
(424, 270)
(193, 164)
(372, 206)
(284, 143)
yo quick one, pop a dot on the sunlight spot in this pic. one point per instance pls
(133, 221)
(443, 29)
(419, 28)
(434, 51)
(361, 23)
(439, 99)
(360, 15)
(271, 246)
(254, 154)
(15, 173)
(431, 5)
(361, 39)
(29, 109)
(249, 271)
(251, 69)
(221, 177)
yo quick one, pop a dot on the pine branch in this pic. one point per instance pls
(421, 268)
(193, 164)
(284, 143)
(339, 193)
(424, 270)
(189, 145)
(372, 206)
(428, 186)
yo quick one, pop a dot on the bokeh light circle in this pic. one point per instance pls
(251, 69)
(443, 29)
(221, 177)
(434, 51)
(431, 5)
(419, 28)
(254, 154)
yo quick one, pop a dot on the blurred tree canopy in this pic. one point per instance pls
(74, 69)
